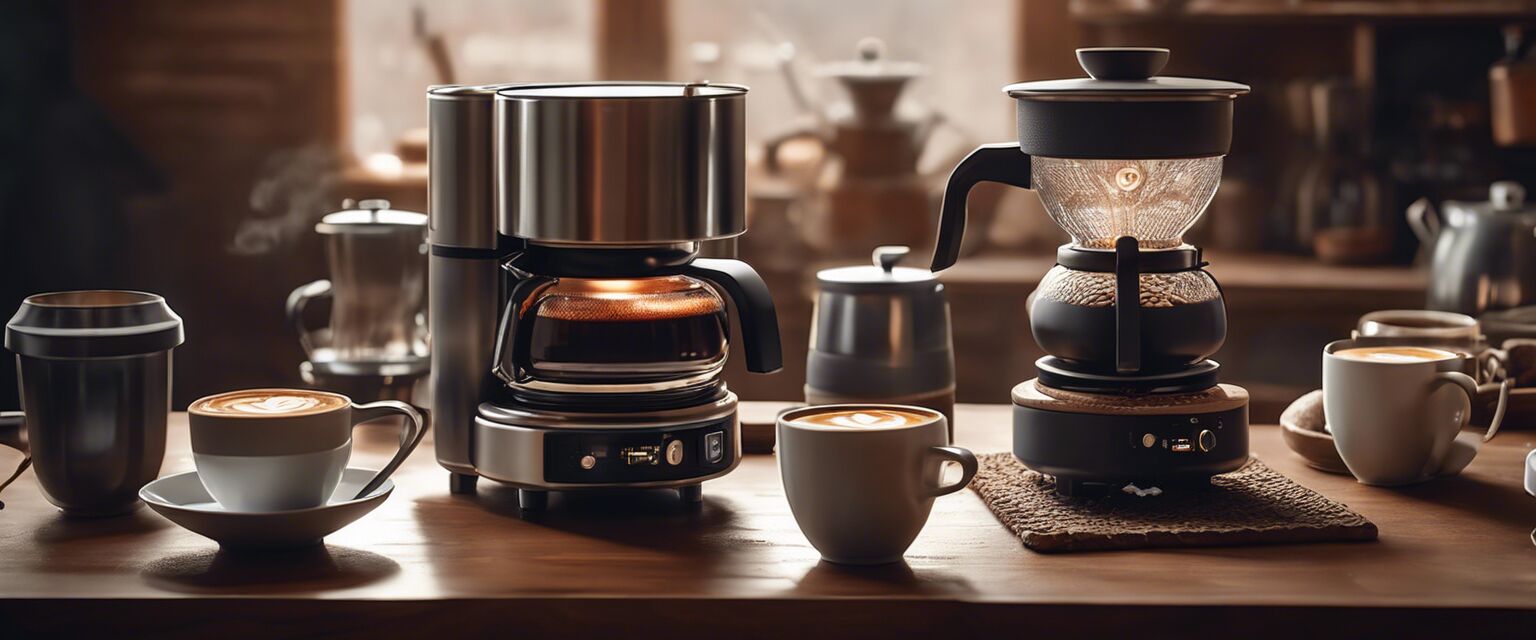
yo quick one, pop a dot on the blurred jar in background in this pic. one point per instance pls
(1339, 196)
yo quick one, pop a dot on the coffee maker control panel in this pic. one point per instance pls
(1194, 434)
(652, 455)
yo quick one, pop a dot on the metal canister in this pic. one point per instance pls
(881, 334)
(622, 163)
(463, 270)
(96, 391)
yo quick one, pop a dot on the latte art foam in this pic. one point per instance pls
(268, 403)
(870, 418)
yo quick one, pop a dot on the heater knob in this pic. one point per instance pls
(1206, 440)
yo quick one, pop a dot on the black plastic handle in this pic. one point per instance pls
(1002, 162)
(754, 309)
(505, 363)
(1127, 305)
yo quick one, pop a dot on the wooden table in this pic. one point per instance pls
(1454, 559)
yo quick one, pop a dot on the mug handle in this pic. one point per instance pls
(1469, 386)
(13, 434)
(415, 428)
(967, 461)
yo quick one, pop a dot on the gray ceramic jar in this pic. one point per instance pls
(881, 333)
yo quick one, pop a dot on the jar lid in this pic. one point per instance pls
(1126, 72)
(871, 64)
(882, 276)
(93, 324)
(371, 216)
(1125, 110)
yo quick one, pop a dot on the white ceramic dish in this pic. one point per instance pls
(182, 499)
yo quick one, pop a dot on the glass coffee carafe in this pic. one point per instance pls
(616, 335)
(377, 290)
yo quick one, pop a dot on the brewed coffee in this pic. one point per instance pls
(865, 418)
(268, 403)
(581, 327)
(1395, 355)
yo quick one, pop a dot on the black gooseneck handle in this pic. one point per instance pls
(1127, 305)
(1002, 162)
(754, 309)
(506, 364)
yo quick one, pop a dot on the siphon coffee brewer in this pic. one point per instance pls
(881, 334)
(1125, 161)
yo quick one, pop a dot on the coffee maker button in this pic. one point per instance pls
(675, 452)
(1207, 440)
(1148, 440)
(714, 446)
(587, 462)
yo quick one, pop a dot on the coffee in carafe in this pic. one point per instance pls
(616, 329)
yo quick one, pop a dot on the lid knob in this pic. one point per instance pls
(1506, 194)
(887, 256)
(1122, 63)
(373, 204)
(871, 49)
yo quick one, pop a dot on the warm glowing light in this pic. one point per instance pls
(1128, 178)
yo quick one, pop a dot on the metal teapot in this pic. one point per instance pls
(1484, 253)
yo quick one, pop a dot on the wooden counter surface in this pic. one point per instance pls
(1455, 559)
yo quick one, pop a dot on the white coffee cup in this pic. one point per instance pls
(1395, 411)
(262, 450)
(861, 478)
(1423, 327)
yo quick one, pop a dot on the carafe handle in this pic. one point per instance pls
(1127, 305)
(505, 358)
(754, 309)
(13, 434)
(1000, 162)
(297, 302)
(1424, 220)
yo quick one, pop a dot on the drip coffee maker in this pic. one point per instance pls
(1124, 161)
(581, 337)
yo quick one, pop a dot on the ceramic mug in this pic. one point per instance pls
(1395, 420)
(1422, 327)
(861, 478)
(281, 449)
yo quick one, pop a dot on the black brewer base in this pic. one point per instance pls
(1090, 452)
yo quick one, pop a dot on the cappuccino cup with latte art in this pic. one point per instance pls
(282, 449)
(1395, 411)
(861, 478)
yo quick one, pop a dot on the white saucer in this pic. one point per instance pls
(183, 500)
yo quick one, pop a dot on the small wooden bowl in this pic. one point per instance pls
(1301, 425)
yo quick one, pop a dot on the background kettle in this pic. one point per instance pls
(1484, 253)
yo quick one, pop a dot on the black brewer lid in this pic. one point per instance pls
(1125, 110)
(1126, 72)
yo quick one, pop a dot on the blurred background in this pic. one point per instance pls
(188, 148)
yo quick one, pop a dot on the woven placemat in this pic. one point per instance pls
(1253, 505)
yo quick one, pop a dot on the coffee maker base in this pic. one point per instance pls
(1092, 443)
(538, 450)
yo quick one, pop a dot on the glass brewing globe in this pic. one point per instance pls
(1097, 200)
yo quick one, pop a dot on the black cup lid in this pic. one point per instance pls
(93, 324)
(1125, 72)
(1125, 110)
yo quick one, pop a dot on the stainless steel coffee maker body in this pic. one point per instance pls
(564, 218)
